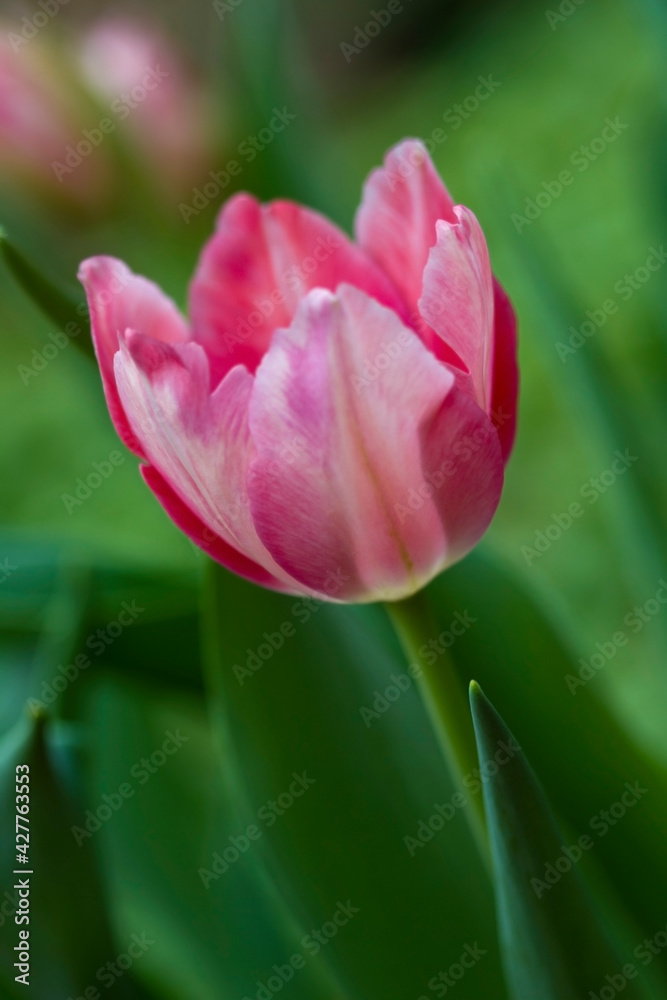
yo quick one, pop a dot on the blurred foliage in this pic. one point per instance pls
(66, 575)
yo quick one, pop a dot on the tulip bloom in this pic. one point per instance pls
(336, 417)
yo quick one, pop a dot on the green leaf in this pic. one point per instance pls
(53, 601)
(68, 314)
(553, 943)
(290, 678)
(580, 752)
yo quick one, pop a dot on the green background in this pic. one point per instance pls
(559, 80)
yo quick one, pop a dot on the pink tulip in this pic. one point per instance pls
(141, 77)
(336, 419)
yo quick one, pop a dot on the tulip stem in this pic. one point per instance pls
(447, 705)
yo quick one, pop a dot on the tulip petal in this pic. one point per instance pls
(198, 442)
(364, 405)
(215, 546)
(119, 300)
(457, 301)
(505, 370)
(257, 267)
(395, 223)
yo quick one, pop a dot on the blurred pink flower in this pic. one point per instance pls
(141, 76)
(337, 417)
(39, 118)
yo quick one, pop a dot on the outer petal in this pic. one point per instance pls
(257, 267)
(201, 535)
(457, 301)
(119, 300)
(505, 370)
(198, 443)
(365, 405)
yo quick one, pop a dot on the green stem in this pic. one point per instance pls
(447, 705)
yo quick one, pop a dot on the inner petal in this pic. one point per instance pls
(259, 264)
